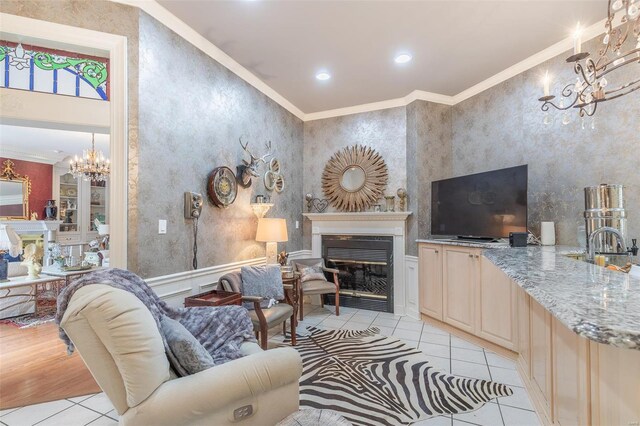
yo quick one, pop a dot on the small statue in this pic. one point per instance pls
(31, 255)
(402, 195)
(34, 216)
(283, 258)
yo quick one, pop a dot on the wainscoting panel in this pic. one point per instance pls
(412, 301)
(175, 287)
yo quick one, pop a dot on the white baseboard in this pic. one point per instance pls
(412, 294)
(175, 287)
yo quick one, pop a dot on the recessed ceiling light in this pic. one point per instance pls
(403, 58)
(323, 75)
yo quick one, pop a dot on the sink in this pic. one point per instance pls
(620, 260)
(576, 256)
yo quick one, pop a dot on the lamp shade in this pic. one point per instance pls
(272, 230)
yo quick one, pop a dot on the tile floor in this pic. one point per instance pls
(446, 352)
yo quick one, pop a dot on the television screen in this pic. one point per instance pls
(490, 204)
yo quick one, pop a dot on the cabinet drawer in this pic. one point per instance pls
(65, 238)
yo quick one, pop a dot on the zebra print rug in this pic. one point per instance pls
(376, 380)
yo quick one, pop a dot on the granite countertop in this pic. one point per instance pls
(594, 302)
(465, 243)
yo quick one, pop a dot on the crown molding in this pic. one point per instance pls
(534, 60)
(17, 154)
(416, 95)
(175, 24)
(154, 9)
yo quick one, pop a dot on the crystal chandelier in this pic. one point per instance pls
(92, 166)
(591, 86)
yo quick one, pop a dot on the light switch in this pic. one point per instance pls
(162, 226)
(297, 224)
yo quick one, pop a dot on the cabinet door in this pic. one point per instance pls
(69, 201)
(541, 369)
(430, 274)
(615, 388)
(570, 376)
(460, 275)
(524, 330)
(496, 307)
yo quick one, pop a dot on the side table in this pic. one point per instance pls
(213, 298)
(293, 298)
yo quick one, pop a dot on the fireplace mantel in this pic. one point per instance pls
(374, 224)
(337, 216)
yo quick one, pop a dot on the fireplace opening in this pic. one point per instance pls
(366, 270)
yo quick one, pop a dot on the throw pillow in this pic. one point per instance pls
(186, 355)
(264, 281)
(310, 273)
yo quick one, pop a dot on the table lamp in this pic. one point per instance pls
(9, 242)
(272, 232)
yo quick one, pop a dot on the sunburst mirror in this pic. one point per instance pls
(354, 178)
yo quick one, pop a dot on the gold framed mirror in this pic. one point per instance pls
(354, 178)
(14, 193)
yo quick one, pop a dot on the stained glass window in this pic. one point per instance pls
(53, 71)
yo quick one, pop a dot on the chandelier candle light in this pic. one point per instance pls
(591, 86)
(92, 166)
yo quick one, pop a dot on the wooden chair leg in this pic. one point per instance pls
(293, 329)
(338, 303)
(322, 300)
(264, 334)
(301, 305)
(284, 328)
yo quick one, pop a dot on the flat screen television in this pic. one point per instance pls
(483, 205)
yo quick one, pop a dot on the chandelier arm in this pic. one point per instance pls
(579, 69)
(633, 89)
(606, 70)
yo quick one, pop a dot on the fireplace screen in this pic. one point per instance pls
(366, 270)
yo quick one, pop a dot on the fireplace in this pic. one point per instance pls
(366, 270)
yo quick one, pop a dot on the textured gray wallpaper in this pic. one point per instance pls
(384, 130)
(502, 127)
(192, 112)
(429, 158)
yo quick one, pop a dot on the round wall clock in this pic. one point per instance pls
(222, 187)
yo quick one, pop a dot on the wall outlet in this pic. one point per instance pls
(162, 226)
(297, 224)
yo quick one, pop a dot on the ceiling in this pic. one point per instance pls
(454, 44)
(40, 144)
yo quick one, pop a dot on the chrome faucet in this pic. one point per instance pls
(608, 229)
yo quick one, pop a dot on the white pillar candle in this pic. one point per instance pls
(546, 83)
(547, 234)
(577, 40)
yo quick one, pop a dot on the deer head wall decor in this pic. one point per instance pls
(247, 170)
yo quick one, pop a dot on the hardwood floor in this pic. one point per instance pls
(35, 367)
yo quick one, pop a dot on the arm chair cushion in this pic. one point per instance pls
(275, 315)
(318, 287)
(186, 354)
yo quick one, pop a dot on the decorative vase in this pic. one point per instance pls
(92, 258)
(50, 210)
(390, 202)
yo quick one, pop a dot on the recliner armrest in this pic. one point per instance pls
(221, 388)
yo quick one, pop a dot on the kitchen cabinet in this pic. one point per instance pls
(541, 368)
(430, 280)
(570, 376)
(615, 385)
(524, 331)
(461, 273)
(496, 306)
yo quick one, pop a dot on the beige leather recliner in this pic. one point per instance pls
(119, 341)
